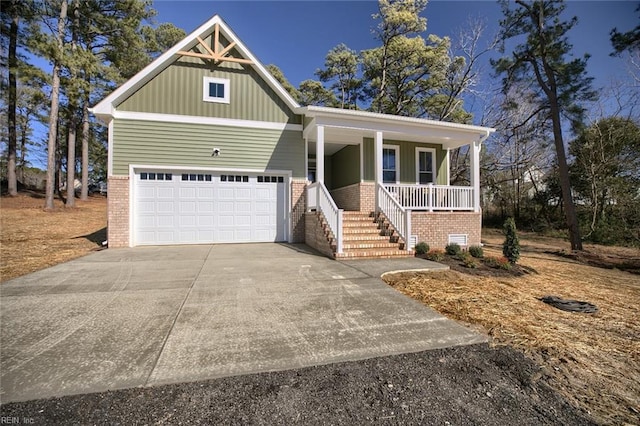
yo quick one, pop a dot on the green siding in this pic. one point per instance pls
(407, 160)
(171, 144)
(346, 166)
(178, 90)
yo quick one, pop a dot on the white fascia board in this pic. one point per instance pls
(376, 119)
(191, 119)
(105, 107)
(133, 168)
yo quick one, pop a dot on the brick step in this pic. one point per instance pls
(360, 230)
(365, 237)
(361, 245)
(354, 213)
(361, 218)
(373, 253)
(359, 224)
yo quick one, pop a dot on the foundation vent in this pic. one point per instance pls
(460, 239)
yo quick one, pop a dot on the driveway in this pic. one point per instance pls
(145, 316)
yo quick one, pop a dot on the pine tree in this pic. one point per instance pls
(560, 84)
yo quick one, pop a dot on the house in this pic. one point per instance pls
(205, 146)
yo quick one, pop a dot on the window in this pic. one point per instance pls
(425, 166)
(155, 176)
(232, 178)
(215, 90)
(198, 178)
(270, 179)
(390, 159)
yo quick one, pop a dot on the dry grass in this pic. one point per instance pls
(32, 239)
(594, 360)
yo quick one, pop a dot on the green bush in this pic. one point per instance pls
(476, 251)
(511, 246)
(422, 248)
(453, 249)
(435, 255)
(498, 262)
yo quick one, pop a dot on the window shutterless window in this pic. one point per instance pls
(215, 90)
(390, 159)
(425, 165)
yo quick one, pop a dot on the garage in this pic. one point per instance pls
(203, 207)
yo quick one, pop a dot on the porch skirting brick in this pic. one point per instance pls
(314, 234)
(118, 212)
(298, 208)
(434, 227)
(359, 197)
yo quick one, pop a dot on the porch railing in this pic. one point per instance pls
(318, 198)
(397, 215)
(432, 197)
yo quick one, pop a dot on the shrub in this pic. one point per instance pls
(422, 248)
(498, 262)
(453, 249)
(511, 246)
(470, 263)
(476, 251)
(435, 255)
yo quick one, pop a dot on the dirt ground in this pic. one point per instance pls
(32, 239)
(465, 385)
(592, 359)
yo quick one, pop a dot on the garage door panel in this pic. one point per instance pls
(217, 208)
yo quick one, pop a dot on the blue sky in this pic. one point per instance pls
(296, 35)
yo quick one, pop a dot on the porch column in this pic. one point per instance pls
(475, 173)
(378, 157)
(447, 161)
(320, 154)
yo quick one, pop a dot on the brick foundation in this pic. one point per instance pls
(314, 234)
(298, 208)
(434, 228)
(367, 197)
(118, 212)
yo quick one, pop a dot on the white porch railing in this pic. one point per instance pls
(318, 198)
(398, 216)
(433, 197)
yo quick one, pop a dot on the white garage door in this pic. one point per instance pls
(205, 207)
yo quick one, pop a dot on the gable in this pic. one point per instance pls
(178, 90)
(159, 90)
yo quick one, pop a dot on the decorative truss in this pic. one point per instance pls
(217, 54)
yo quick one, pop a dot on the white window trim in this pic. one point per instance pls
(396, 148)
(433, 164)
(205, 89)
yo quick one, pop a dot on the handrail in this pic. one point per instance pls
(433, 197)
(318, 198)
(398, 216)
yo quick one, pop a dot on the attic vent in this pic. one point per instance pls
(460, 239)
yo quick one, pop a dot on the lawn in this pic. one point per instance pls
(32, 239)
(593, 359)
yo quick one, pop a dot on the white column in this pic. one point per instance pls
(378, 157)
(475, 174)
(320, 154)
(447, 161)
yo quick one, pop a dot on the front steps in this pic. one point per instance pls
(364, 237)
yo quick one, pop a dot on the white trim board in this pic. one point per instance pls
(214, 121)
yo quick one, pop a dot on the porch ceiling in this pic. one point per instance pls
(349, 127)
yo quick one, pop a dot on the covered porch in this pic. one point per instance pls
(390, 165)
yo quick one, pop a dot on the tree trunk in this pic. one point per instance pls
(85, 149)
(565, 184)
(13, 89)
(53, 114)
(71, 162)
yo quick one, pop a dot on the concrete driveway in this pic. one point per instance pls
(123, 318)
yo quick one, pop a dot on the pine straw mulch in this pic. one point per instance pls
(32, 239)
(592, 359)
